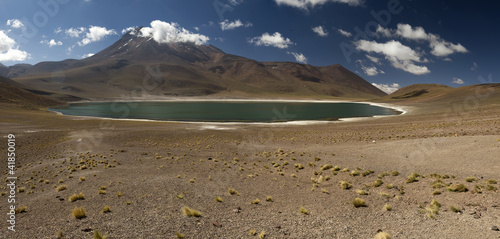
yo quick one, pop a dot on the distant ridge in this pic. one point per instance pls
(141, 66)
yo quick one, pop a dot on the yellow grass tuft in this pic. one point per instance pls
(61, 188)
(232, 191)
(362, 192)
(470, 179)
(455, 209)
(382, 235)
(106, 209)
(252, 232)
(20, 209)
(358, 202)
(262, 234)
(387, 207)
(218, 199)
(269, 199)
(303, 210)
(79, 212)
(256, 201)
(191, 212)
(76, 197)
(98, 235)
(457, 188)
(345, 185)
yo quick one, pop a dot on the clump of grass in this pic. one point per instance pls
(102, 188)
(119, 194)
(180, 196)
(101, 191)
(455, 209)
(336, 168)
(262, 234)
(303, 210)
(76, 197)
(81, 179)
(326, 167)
(98, 235)
(61, 188)
(256, 201)
(457, 188)
(20, 209)
(377, 183)
(354, 173)
(490, 187)
(345, 185)
(390, 186)
(358, 202)
(395, 173)
(269, 199)
(437, 184)
(233, 192)
(382, 235)
(79, 212)
(384, 195)
(387, 207)
(344, 170)
(492, 181)
(436, 192)
(299, 166)
(412, 178)
(362, 192)
(252, 232)
(470, 179)
(433, 210)
(179, 235)
(106, 209)
(325, 191)
(191, 212)
(218, 199)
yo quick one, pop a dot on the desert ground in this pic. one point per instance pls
(430, 173)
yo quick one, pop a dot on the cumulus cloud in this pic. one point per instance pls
(15, 23)
(320, 31)
(52, 42)
(373, 59)
(164, 32)
(400, 56)
(9, 50)
(95, 34)
(299, 57)
(345, 33)
(439, 46)
(307, 4)
(75, 32)
(227, 25)
(387, 88)
(369, 70)
(57, 30)
(275, 40)
(457, 81)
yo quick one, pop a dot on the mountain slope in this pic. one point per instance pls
(12, 94)
(140, 66)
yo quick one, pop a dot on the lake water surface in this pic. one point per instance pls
(223, 111)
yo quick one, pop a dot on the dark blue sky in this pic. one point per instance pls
(389, 42)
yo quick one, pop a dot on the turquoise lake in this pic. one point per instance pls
(218, 111)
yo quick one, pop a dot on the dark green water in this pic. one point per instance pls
(225, 111)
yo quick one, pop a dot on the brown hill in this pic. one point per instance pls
(12, 94)
(139, 66)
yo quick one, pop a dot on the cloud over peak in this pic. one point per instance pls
(275, 40)
(227, 25)
(299, 57)
(387, 88)
(164, 32)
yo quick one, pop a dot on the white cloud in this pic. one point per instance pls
(128, 29)
(320, 31)
(439, 46)
(400, 56)
(227, 25)
(87, 55)
(474, 66)
(299, 57)
(387, 88)
(9, 50)
(52, 42)
(457, 81)
(345, 33)
(164, 32)
(370, 70)
(15, 23)
(373, 59)
(306, 4)
(75, 32)
(57, 30)
(275, 40)
(95, 34)
(196, 28)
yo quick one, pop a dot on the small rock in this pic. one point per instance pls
(88, 229)
(217, 224)
(277, 227)
(495, 228)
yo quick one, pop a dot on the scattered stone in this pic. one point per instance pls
(217, 224)
(495, 228)
(277, 227)
(237, 210)
(88, 229)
